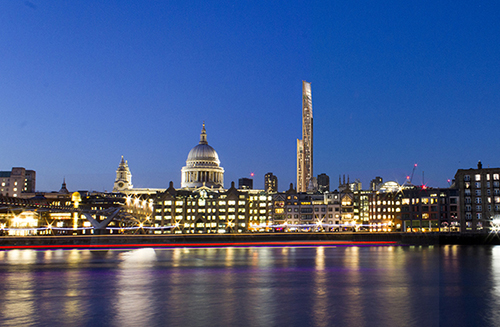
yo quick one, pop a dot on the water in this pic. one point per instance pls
(317, 286)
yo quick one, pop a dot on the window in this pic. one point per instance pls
(468, 216)
(478, 200)
(479, 208)
(478, 192)
(478, 184)
(478, 177)
(496, 176)
(479, 215)
(467, 178)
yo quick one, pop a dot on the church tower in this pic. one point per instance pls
(123, 180)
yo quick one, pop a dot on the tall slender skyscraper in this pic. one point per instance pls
(305, 146)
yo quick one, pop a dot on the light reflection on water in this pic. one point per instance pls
(317, 286)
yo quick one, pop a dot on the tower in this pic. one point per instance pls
(123, 177)
(305, 146)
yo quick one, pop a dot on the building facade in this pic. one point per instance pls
(429, 210)
(479, 191)
(208, 210)
(304, 212)
(17, 181)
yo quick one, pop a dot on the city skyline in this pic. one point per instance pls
(394, 85)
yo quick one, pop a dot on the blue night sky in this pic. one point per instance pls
(393, 83)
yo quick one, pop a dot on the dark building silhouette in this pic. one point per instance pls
(245, 183)
(375, 183)
(270, 183)
(323, 183)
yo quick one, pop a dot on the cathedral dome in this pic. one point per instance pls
(204, 153)
(202, 166)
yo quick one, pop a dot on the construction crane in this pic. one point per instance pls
(410, 178)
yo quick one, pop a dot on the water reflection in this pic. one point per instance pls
(321, 305)
(495, 289)
(135, 284)
(320, 286)
(18, 305)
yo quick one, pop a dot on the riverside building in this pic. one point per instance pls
(17, 181)
(479, 191)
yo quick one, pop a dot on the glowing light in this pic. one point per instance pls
(252, 174)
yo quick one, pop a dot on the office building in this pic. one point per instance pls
(270, 183)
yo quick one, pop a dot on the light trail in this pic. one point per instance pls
(206, 245)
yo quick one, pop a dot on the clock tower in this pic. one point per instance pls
(123, 180)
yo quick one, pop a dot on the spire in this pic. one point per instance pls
(63, 189)
(203, 136)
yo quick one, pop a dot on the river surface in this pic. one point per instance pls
(261, 286)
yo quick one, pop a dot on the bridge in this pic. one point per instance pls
(69, 215)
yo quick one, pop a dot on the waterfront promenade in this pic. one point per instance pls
(244, 240)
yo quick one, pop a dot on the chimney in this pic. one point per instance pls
(479, 165)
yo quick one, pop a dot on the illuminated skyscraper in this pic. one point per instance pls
(305, 146)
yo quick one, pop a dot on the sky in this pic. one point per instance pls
(394, 83)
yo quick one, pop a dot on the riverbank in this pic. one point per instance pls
(224, 240)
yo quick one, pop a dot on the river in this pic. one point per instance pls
(254, 286)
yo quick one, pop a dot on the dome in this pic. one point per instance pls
(389, 186)
(202, 166)
(203, 152)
